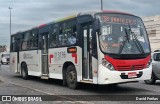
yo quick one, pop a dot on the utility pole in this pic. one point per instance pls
(10, 8)
(101, 4)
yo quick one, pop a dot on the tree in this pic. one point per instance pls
(3, 48)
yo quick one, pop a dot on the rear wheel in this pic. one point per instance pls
(71, 77)
(24, 71)
(152, 80)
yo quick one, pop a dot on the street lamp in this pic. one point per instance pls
(10, 8)
(101, 4)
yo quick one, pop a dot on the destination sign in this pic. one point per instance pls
(121, 19)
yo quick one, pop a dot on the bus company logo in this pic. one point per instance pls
(6, 98)
(27, 56)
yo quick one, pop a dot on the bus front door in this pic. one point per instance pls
(44, 48)
(86, 52)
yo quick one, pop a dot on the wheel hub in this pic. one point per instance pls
(71, 77)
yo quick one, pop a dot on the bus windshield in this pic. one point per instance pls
(122, 34)
(6, 55)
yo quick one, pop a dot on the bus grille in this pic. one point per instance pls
(133, 67)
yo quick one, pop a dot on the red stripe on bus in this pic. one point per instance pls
(40, 26)
(126, 65)
(75, 56)
(50, 57)
(114, 11)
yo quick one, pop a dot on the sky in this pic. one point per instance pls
(30, 13)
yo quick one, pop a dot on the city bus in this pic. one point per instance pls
(98, 47)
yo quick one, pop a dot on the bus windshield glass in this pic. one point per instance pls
(6, 55)
(122, 34)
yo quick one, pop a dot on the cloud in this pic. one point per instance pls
(29, 13)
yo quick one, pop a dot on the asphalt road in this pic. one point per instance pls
(13, 84)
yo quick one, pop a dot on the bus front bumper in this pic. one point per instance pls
(105, 76)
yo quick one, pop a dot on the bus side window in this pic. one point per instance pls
(73, 36)
(24, 42)
(61, 36)
(24, 45)
(34, 40)
(69, 34)
(53, 36)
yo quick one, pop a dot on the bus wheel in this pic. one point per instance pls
(71, 77)
(151, 81)
(24, 72)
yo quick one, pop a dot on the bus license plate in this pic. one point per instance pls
(132, 75)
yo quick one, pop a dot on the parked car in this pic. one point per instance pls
(5, 58)
(155, 68)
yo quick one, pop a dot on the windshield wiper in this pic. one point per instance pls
(136, 41)
(125, 39)
(138, 44)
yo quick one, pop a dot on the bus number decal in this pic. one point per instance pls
(75, 56)
(59, 55)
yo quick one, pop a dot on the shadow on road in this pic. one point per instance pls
(98, 89)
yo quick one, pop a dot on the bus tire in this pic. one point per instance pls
(71, 77)
(151, 81)
(64, 78)
(24, 71)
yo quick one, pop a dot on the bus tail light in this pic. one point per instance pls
(108, 65)
(149, 63)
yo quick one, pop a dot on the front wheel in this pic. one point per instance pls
(151, 81)
(71, 77)
(24, 71)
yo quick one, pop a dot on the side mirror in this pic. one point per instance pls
(156, 57)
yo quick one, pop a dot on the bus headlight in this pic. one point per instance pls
(108, 65)
(149, 63)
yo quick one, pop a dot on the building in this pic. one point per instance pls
(153, 28)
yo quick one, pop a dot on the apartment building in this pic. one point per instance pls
(152, 24)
